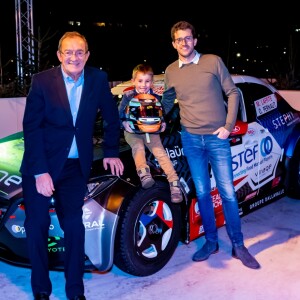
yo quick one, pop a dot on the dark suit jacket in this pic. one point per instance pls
(48, 125)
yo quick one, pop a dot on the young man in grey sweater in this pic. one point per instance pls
(198, 82)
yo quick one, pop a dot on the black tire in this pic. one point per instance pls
(292, 181)
(148, 231)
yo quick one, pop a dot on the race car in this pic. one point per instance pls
(139, 229)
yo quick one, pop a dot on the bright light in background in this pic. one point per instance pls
(284, 50)
(100, 24)
(74, 23)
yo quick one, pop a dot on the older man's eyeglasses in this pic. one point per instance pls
(186, 39)
(69, 53)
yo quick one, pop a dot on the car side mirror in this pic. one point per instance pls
(240, 128)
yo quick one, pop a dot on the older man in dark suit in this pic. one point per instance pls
(58, 124)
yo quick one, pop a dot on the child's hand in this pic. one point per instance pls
(163, 127)
(127, 127)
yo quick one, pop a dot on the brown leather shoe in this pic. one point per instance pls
(176, 194)
(146, 178)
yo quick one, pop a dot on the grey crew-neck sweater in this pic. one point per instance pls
(198, 89)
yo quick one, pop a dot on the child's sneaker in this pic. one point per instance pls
(176, 195)
(146, 178)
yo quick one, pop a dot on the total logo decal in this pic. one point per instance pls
(91, 220)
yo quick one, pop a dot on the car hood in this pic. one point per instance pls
(11, 154)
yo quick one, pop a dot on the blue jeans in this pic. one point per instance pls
(200, 150)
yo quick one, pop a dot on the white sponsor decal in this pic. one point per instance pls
(255, 160)
(265, 104)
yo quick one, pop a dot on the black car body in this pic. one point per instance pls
(139, 230)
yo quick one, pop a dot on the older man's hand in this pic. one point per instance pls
(116, 165)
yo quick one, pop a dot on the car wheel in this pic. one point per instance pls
(148, 231)
(293, 175)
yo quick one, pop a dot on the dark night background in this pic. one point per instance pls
(137, 32)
